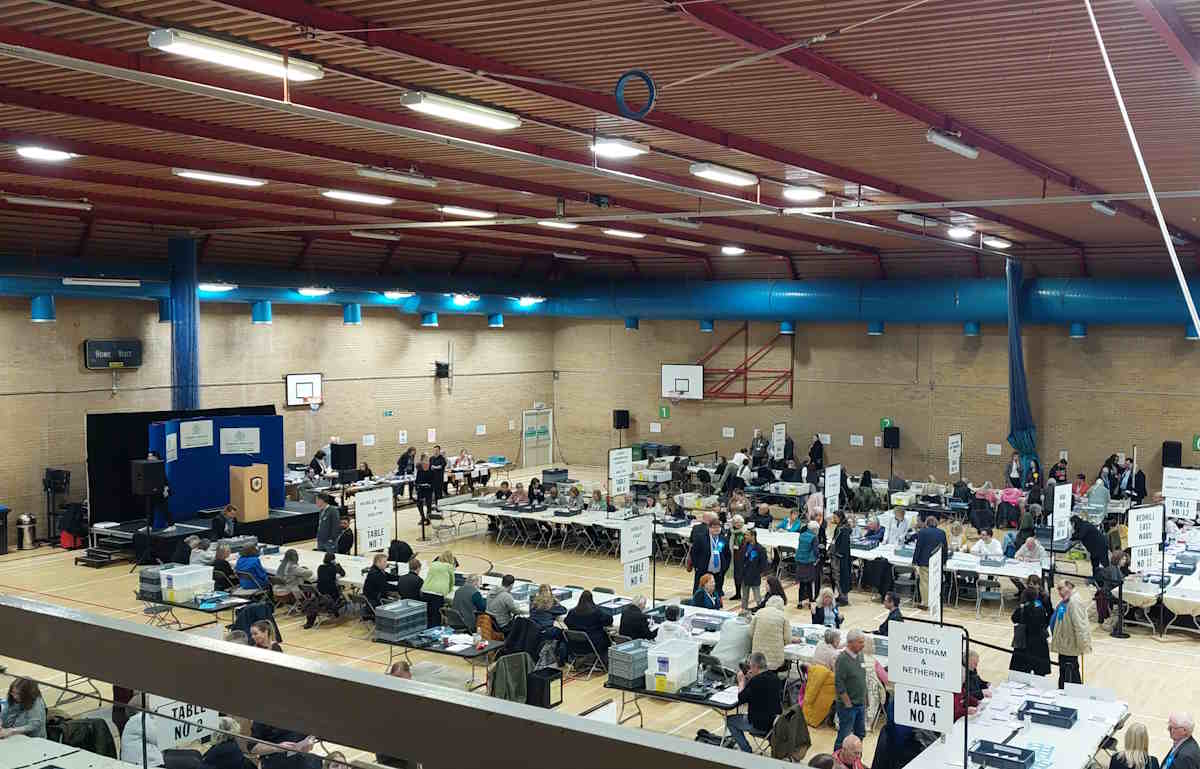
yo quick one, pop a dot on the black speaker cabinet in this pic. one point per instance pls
(345, 456)
(147, 476)
(1172, 454)
(891, 437)
(620, 419)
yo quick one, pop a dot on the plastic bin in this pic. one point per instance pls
(672, 656)
(639, 453)
(183, 583)
(673, 681)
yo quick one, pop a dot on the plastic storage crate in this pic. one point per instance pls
(400, 619)
(672, 682)
(235, 544)
(183, 583)
(678, 654)
(150, 581)
(628, 660)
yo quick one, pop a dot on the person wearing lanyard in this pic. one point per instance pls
(718, 559)
(1184, 753)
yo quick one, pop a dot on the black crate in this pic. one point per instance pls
(544, 688)
(1048, 714)
(1000, 756)
(632, 684)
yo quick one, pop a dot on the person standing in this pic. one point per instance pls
(929, 540)
(808, 552)
(437, 463)
(407, 465)
(1014, 471)
(426, 483)
(698, 557)
(1070, 634)
(737, 536)
(850, 685)
(1136, 754)
(1184, 753)
(841, 557)
(816, 453)
(754, 560)
(758, 448)
(710, 553)
(327, 523)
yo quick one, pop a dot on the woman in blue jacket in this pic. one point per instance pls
(793, 523)
(250, 571)
(807, 553)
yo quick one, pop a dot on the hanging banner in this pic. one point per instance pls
(778, 439)
(833, 485)
(954, 452)
(374, 523)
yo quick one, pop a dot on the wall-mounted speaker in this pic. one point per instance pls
(620, 419)
(1172, 454)
(891, 437)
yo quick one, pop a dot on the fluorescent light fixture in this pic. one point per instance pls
(400, 177)
(952, 143)
(42, 153)
(460, 111)
(625, 234)
(716, 173)
(103, 282)
(234, 55)
(470, 213)
(732, 250)
(828, 249)
(685, 243)
(960, 232)
(1104, 208)
(530, 301)
(461, 300)
(207, 176)
(393, 295)
(314, 291)
(618, 148)
(217, 288)
(803, 193)
(373, 235)
(916, 221)
(555, 224)
(25, 200)
(359, 197)
(569, 257)
(686, 224)
(992, 241)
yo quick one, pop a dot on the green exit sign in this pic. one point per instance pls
(885, 423)
(664, 412)
(387, 412)
(1196, 443)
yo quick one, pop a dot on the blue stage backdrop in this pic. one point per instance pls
(199, 453)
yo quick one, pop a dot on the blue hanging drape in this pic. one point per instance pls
(185, 320)
(1022, 433)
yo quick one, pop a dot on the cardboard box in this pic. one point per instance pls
(248, 492)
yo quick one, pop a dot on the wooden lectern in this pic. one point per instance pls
(248, 492)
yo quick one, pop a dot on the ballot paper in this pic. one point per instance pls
(456, 648)
(727, 696)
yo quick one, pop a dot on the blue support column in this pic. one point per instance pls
(185, 324)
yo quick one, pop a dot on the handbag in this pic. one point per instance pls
(1019, 640)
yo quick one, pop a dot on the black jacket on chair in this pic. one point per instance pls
(409, 586)
(400, 551)
(634, 624)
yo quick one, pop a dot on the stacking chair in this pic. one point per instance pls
(157, 614)
(577, 639)
(989, 588)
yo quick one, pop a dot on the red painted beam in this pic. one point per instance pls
(89, 222)
(1174, 32)
(306, 244)
(746, 33)
(168, 68)
(325, 21)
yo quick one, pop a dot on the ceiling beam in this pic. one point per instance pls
(306, 244)
(326, 21)
(88, 223)
(751, 36)
(458, 265)
(202, 248)
(1174, 32)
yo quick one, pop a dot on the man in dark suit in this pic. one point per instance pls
(929, 540)
(345, 540)
(710, 552)
(634, 624)
(1184, 752)
(224, 525)
(409, 585)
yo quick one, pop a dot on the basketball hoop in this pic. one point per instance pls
(674, 396)
(313, 402)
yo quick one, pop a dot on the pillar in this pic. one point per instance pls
(185, 323)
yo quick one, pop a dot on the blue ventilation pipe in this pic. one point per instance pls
(185, 323)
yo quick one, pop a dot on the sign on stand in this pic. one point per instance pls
(620, 470)
(637, 573)
(197, 721)
(925, 662)
(1146, 525)
(778, 439)
(1062, 511)
(934, 599)
(1141, 559)
(954, 452)
(1181, 490)
(374, 520)
(637, 538)
(924, 708)
(833, 487)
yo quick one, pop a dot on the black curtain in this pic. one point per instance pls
(115, 439)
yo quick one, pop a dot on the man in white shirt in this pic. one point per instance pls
(739, 458)
(897, 530)
(987, 545)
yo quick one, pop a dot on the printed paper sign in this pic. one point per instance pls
(778, 439)
(431, 435)
(856, 440)
(878, 441)
(1178, 483)
(1062, 511)
(927, 656)
(1146, 525)
(934, 599)
(727, 432)
(656, 427)
(240, 440)
(924, 708)
(954, 452)
(993, 449)
(637, 574)
(301, 450)
(369, 439)
(196, 434)
(1141, 559)
(833, 487)
(637, 539)
(826, 438)
(1063, 455)
(402, 437)
(374, 523)
(481, 429)
(620, 470)
(195, 721)
(172, 447)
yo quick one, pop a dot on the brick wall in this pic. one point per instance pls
(385, 364)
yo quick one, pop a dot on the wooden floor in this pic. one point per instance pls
(1155, 676)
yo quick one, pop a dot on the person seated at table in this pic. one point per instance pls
(739, 503)
(318, 466)
(1030, 551)
(634, 623)
(987, 546)
(409, 585)
(586, 618)
(770, 632)
(250, 571)
(793, 523)
(376, 584)
(829, 648)
(462, 469)
(735, 641)
(518, 496)
(956, 539)
(24, 710)
(1136, 753)
(553, 498)
(898, 530)
(468, 601)
(976, 686)
(536, 493)
(706, 596)
(292, 575)
(650, 506)
(774, 587)
(597, 503)
(329, 592)
(501, 604)
(874, 532)
(826, 611)
(223, 576)
(201, 555)
(225, 525)
(544, 609)
(760, 690)
(849, 756)
(365, 471)
(278, 748)
(184, 548)
(504, 492)
(262, 635)
(891, 602)
(223, 752)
